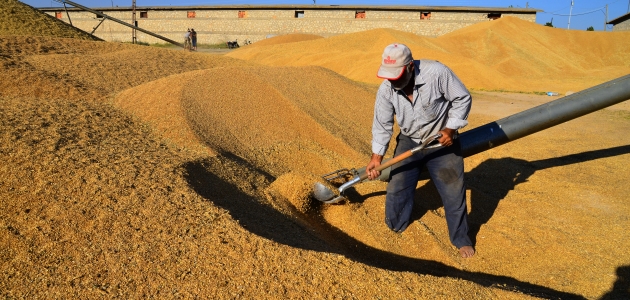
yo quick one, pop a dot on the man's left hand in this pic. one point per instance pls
(447, 137)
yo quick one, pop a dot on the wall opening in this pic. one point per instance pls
(99, 16)
(494, 16)
(144, 14)
(360, 14)
(191, 14)
(425, 15)
(299, 14)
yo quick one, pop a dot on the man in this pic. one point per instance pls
(187, 40)
(193, 37)
(427, 98)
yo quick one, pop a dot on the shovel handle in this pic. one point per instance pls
(402, 156)
(388, 163)
(383, 166)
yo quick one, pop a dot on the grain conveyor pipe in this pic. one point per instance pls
(539, 118)
(98, 13)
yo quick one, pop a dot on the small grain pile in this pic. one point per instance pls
(297, 189)
(134, 172)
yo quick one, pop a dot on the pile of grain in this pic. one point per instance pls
(256, 113)
(287, 38)
(94, 202)
(53, 67)
(36, 24)
(505, 54)
(297, 188)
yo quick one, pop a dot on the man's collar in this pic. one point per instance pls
(418, 80)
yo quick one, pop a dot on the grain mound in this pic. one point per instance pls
(505, 54)
(158, 103)
(14, 22)
(95, 203)
(287, 38)
(255, 113)
(297, 189)
(63, 68)
(540, 57)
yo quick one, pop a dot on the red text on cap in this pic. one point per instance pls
(389, 61)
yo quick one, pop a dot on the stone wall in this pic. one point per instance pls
(622, 26)
(220, 25)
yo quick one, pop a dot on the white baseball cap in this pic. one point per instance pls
(395, 58)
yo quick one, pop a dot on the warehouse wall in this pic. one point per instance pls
(220, 25)
(623, 26)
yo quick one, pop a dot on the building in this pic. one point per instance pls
(218, 24)
(621, 24)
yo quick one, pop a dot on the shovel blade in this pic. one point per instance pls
(322, 192)
(335, 200)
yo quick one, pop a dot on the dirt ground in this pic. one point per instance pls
(135, 172)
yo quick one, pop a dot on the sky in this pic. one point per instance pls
(567, 14)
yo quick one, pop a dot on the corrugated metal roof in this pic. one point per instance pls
(317, 7)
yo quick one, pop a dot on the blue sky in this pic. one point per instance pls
(581, 15)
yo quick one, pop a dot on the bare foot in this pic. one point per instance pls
(467, 251)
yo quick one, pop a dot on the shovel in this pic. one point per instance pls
(324, 194)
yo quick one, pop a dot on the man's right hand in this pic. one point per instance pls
(374, 162)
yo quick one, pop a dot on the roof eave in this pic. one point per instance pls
(319, 7)
(619, 19)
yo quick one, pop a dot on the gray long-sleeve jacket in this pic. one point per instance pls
(440, 100)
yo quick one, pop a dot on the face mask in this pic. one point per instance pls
(403, 81)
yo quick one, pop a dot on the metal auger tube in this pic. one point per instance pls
(98, 13)
(544, 116)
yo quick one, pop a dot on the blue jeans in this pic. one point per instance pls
(446, 168)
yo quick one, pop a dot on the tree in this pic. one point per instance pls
(590, 29)
(550, 23)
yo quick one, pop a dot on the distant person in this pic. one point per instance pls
(187, 40)
(193, 36)
(427, 98)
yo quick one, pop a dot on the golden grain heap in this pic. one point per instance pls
(135, 172)
(508, 54)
